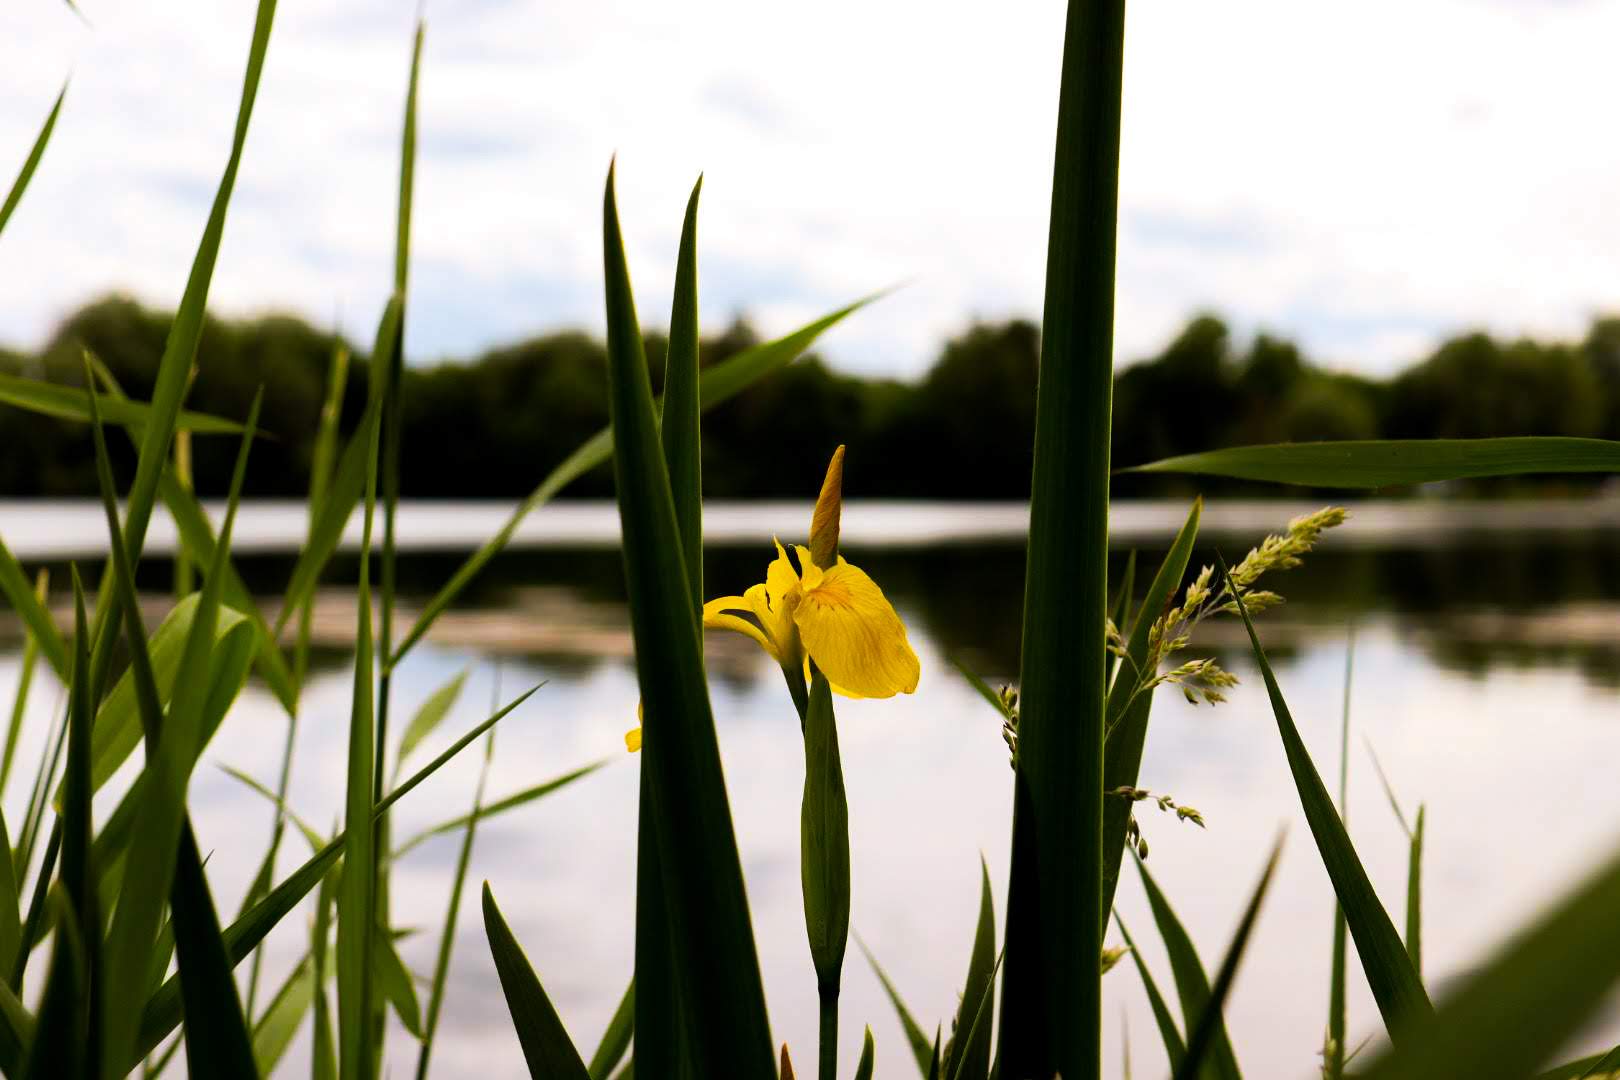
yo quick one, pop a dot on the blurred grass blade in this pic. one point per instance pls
(984, 689)
(1507, 1018)
(1394, 982)
(25, 680)
(824, 862)
(970, 1056)
(69, 403)
(681, 410)
(1174, 1048)
(1128, 709)
(863, 1067)
(393, 978)
(428, 717)
(546, 1046)
(1333, 1052)
(1192, 985)
(1414, 865)
(1051, 1015)
(1377, 463)
(16, 1031)
(323, 1049)
(921, 1049)
(717, 969)
(315, 840)
(10, 908)
(30, 608)
(59, 1042)
(218, 1042)
(616, 1039)
(20, 185)
(500, 806)
(322, 456)
(1210, 1030)
(718, 384)
(274, 1031)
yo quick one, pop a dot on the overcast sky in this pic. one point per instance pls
(1366, 179)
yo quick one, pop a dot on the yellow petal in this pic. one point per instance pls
(632, 739)
(831, 685)
(781, 580)
(721, 615)
(829, 508)
(853, 634)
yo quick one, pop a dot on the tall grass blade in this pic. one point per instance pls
(218, 1042)
(1333, 1052)
(1128, 708)
(77, 827)
(500, 806)
(393, 978)
(274, 1031)
(69, 403)
(546, 1046)
(10, 905)
(323, 1049)
(616, 1039)
(1210, 1029)
(971, 1030)
(322, 456)
(1051, 1016)
(16, 1031)
(1394, 982)
(681, 408)
(1414, 896)
(863, 1067)
(1389, 462)
(718, 384)
(59, 1043)
(1192, 985)
(1174, 1048)
(969, 1056)
(719, 987)
(20, 185)
(19, 703)
(1509, 1017)
(921, 1048)
(30, 608)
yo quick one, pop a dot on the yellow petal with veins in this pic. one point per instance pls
(720, 615)
(831, 685)
(852, 632)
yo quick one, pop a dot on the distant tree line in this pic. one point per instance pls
(492, 427)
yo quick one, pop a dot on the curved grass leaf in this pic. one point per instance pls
(921, 1049)
(1394, 982)
(10, 906)
(78, 826)
(218, 1042)
(19, 702)
(394, 980)
(16, 1031)
(1508, 1018)
(283, 1017)
(969, 1057)
(1210, 1029)
(1192, 985)
(681, 410)
(863, 1067)
(20, 185)
(980, 1023)
(1174, 1049)
(71, 403)
(1129, 709)
(1377, 463)
(500, 806)
(30, 608)
(546, 1046)
(712, 940)
(429, 717)
(1051, 1015)
(616, 1039)
(58, 1047)
(718, 384)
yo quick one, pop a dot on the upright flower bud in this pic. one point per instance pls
(829, 507)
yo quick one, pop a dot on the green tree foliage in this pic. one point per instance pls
(485, 428)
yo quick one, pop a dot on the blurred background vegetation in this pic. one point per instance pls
(491, 426)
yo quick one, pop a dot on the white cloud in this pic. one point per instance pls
(1365, 181)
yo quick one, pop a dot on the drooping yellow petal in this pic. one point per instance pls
(831, 685)
(632, 739)
(722, 614)
(780, 578)
(852, 632)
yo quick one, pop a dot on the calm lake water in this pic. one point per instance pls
(1487, 663)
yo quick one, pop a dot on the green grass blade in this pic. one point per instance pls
(16, 1031)
(1394, 982)
(356, 909)
(1390, 462)
(429, 717)
(20, 185)
(323, 1050)
(10, 905)
(921, 1048)
(282, 1018)
(69, 403)
(546, 1046)
(1506, 1019)
(26, 602)
(718, 384)
(863, 1067)
(322, 456)
(681, 409)
(1333, 1053)
(447, 938)
(500, 806)
(1128, 710)
(1210, 1028)
(315, 840)
(1414, 896)
(19, 702)
(1192, 985)
(616, 1039)
(824, 861)
(59, 1044)
(1051, 1016)
(218, 1042)
(349, 480)
(393, 979)
(970, 1056)
(1174, 1048)
(77, 827)
(984, 689)
(712, 938)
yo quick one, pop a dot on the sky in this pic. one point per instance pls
(1366, 180)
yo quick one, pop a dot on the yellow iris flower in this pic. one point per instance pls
(825, 611)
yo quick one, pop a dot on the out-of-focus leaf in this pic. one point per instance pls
(283, 1017)
(969, 1058)
(546, 1046)
(429, 716)
(921, 1049)
(394, 980)
(863, 1068)
(30, 608)
(71, 403)
(20, 185)
(500, 806)
(1174, 1048)
(59, 1044)
(616, 1039)
(1192, 985)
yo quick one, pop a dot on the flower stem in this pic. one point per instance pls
(829, 1032)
